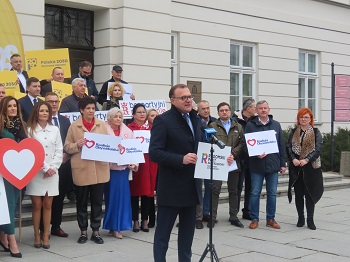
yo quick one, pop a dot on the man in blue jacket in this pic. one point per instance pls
(265, 166)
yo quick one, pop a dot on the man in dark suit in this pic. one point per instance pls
(22, 76)
(64, 171)
(85, 71)
(174, 140)
(27, 102)
(56, 75)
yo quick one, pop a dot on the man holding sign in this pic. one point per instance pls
(265, 165)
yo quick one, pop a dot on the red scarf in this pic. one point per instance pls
(116, 132)
(88, 125)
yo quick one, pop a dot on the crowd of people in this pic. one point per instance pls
(168, 168)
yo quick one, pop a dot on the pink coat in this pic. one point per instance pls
(125, 133)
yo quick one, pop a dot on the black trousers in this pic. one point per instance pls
(166, 217)
(300, 191)
(244, 177)
(145, 206)
(65, 176)
(96, 200)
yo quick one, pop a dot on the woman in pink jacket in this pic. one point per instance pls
(118, 215)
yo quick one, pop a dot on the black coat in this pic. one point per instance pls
(26, 107)
(171, 140)
(313, 178)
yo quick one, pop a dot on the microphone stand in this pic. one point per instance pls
(210, 246)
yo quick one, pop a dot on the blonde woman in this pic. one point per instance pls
(115, 92)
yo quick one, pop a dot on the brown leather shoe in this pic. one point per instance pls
(272, 223)
(58, 232)
(254, 224)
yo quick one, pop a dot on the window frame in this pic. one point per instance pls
(174, 58)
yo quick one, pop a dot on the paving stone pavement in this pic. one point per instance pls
(330, 242)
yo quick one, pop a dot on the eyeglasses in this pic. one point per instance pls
(183, 98)
(53, 101)
(305, 117)
(224, 110)
(142, 112)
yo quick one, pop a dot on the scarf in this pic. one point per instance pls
(88, 125)
(16, 128)
(303, 144)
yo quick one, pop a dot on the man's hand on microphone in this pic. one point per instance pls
(190, 158)
(230, 159)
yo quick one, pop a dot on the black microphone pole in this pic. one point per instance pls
(210, 246)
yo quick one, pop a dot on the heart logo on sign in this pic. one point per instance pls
(121, 149)
(140, 137)
(251, 142)
(89, 143)
(31, 155)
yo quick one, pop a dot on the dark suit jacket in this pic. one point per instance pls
(171, 139)
(91, 86)
(45, 89)
(22, 88)
(26, 107)
(64, 126)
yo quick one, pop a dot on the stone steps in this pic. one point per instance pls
(332, 181)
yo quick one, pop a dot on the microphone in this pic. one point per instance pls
(210, 136)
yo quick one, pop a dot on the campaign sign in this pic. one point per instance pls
(41, 62)
(61, 89)
(220, 165)
(100, 147)
(144, 136)
(130, 152)
(31, 155)
(4, 214)
(127, 91)
(73, 116)
(127, 106)
(9, 80)
(263, 142)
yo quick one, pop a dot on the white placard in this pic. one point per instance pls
(4, 214)
(144, 137)
(73, 116)
(220, 165)
(261, 142)
(100, 147)
(130, 152)
(127, 89)
(128, 105)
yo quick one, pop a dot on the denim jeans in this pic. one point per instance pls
(257, 180)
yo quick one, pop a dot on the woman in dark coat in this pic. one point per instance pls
(305, 174)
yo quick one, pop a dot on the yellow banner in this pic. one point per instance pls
(41, 62)
(15, 94)
(61, 89)
(9, 80)
(11, 36)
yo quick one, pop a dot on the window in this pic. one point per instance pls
(174, 69)
(242, 73)
(308, 81)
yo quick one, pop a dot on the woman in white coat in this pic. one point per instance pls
(44, 186)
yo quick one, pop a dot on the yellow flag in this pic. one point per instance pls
(61, 89)
(11, 36)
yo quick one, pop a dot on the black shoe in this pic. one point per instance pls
(310, 223)
(71, 196)
(246, 216)
(206, 218)
(82, 239)
(97, 239)
(177, 224)
(6, 249)
(199, 224)
(16, 255)
(151, 224)
(301, 221)
(236, 222)
(211, 224)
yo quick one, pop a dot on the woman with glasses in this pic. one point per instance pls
(143, 182)
(305, 175)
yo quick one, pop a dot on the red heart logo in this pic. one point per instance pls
(251, 142)
(20, 162)
(89, 143)
(121, 149)
(140, 137)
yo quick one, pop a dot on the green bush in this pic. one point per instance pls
(341, 143)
